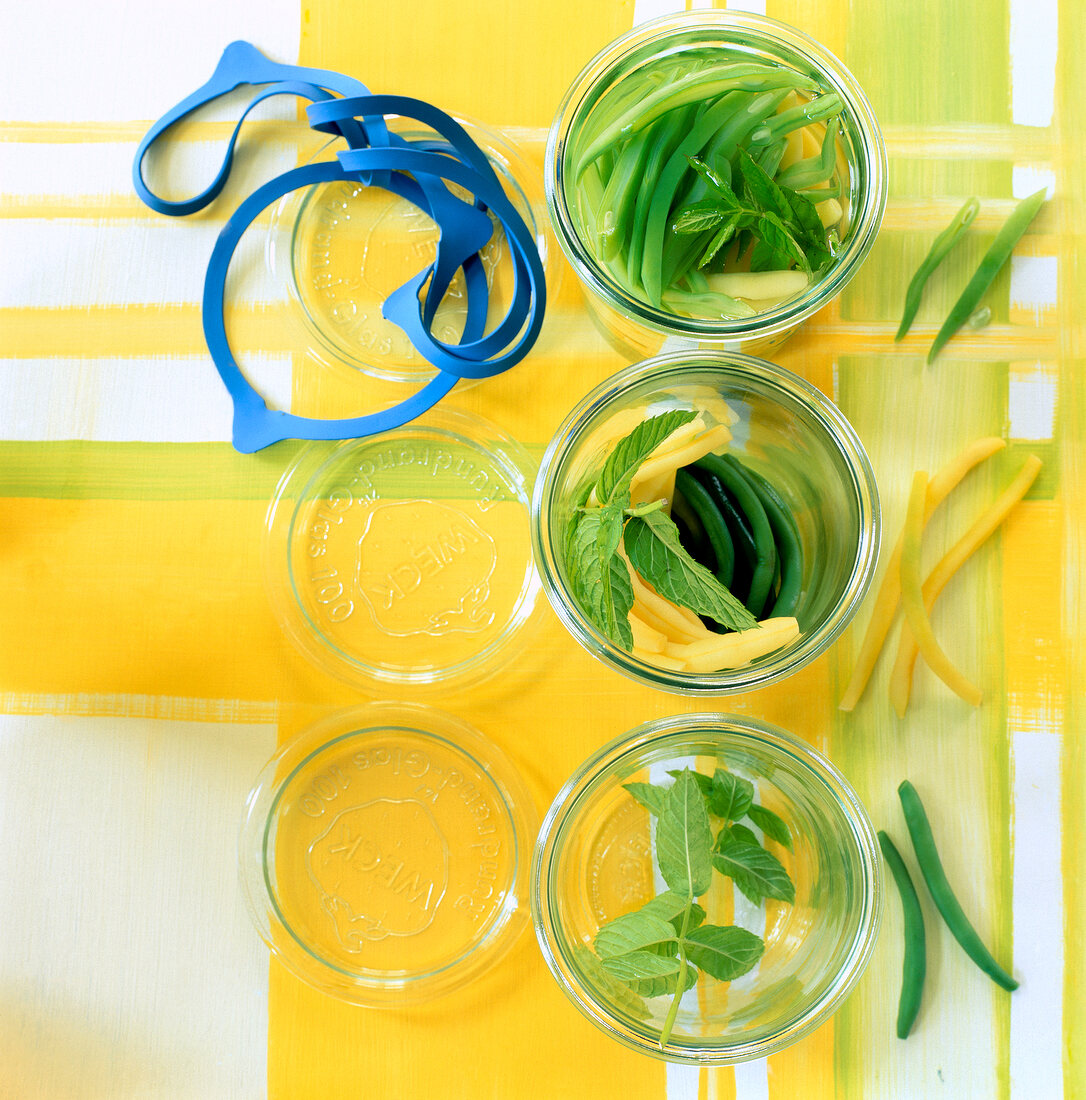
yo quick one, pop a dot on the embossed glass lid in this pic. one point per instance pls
(384, 854)
(339, 249)
(405, 558)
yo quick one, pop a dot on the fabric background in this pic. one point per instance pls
(144, 680)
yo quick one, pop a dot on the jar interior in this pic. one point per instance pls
(776, 435)
(592, 201)
(602, 867)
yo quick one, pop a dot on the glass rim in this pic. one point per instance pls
(291, 217)
(791, 658)
(681, 728)
(258, 841)
(864, 129)
(518, 470)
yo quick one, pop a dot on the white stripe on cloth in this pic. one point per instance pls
(134, 62)
(128, 962)
(176, 399)
(1034, 42)
(64, 263)
(1037, 1037)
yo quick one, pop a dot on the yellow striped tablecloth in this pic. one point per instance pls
(144, 680)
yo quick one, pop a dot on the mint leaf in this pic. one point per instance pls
(632, 932)
(653, 798)
(761, 188)
(699, 217)
(757, 873)
(777, 236)
(656, 552)
(684, 841)
(722, 236)
(717, 184)
(696, 918)
(666, 906)
(730, 796)
(666, 985)
(630, 452)
(810, 230)
(640, 964)
(770, 824)
(617, 992)
(724, 952)
(601, 585)
(704, 782)
(671, 907)
(735, 831)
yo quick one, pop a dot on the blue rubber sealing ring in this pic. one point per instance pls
(376, 157)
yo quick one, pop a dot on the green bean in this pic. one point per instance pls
(696, 87)
(806, 173)
(915, 963)
(671, 132)
(990, 266)
(691, 533)
(931, 867)
(789, 549)
(769, 160)
(592, 189)
(680, 250)
(736, 482)
(697, 496)
(815, 195)
(667, 186)
(620, 194)
(709, 304)
(742, 538)
(795, 118)
(936, 254)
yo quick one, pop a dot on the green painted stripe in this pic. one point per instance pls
(82, 470)
(956, 756)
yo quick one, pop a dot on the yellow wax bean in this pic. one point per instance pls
(889, 593)
(985, 524)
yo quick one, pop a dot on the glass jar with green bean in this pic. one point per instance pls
(705, 522)
(714, 177)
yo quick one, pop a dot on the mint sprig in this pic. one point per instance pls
(659, 949)
(601, 579)
(783, 224)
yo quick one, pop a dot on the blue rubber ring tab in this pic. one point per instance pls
(416, 170)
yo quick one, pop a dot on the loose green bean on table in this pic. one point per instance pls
(990, 266)
(940, 247)
(931, 867)
(914, 965)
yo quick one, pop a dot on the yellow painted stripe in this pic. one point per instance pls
(807, 1065)
(721, 1083)
(530, 52)
(175, 329)
(80, 133)
(168, 708)
(144, 598)
(1033, 607)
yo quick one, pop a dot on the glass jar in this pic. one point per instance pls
(337, 250)
(403, 559)
(594, 862)
(384, 854)
(626, 315)
(787, 431)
